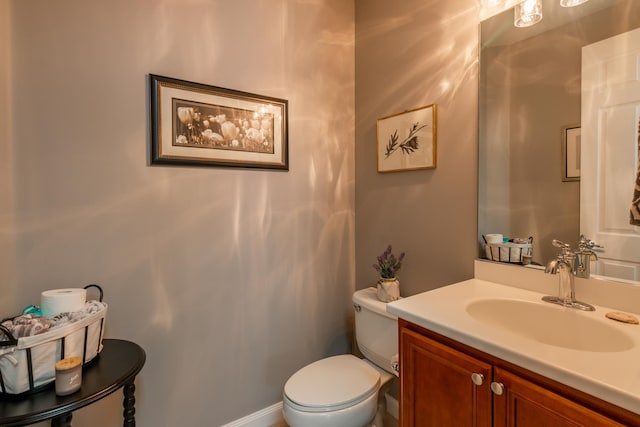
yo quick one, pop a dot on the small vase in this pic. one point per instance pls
(388, 289)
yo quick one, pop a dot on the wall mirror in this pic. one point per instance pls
(537, 174)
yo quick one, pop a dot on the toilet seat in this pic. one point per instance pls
(338, 382)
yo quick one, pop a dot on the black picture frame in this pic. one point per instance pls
(194, 124)
(570, 150)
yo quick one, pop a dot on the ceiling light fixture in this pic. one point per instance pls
(571, 3)
(528, 13)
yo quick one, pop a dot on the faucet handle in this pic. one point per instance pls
(565, 249)
(559, 244)
(566, 255)
(594, 246)
(585, 244)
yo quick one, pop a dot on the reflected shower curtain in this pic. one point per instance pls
(635, 204)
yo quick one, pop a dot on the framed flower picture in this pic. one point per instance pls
(407, 141)
(201, 125)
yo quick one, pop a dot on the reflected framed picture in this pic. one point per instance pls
(407, 141)
(571, 153)
(202, 125)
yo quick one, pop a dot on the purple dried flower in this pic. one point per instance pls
(388, 265)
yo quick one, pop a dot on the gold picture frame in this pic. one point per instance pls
(407, 140)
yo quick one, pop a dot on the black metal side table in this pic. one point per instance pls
(116, 367)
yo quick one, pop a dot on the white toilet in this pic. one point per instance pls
(344, 391)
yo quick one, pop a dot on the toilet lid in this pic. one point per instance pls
(334, 381)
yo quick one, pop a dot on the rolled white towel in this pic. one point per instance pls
(395, 364)
(26, 325)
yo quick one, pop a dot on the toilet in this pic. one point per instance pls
(345, 391)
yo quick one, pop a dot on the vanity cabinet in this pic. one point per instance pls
(446, 383)
(524, 403)
(436, 387)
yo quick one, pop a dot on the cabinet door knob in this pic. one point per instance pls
(477, 378)
(497, 388)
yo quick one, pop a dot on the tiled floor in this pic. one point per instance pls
(389, 421)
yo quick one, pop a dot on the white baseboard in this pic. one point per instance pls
(267, 417)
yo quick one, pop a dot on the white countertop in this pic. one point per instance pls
(610, 376)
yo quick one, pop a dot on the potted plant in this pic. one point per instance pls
(388, 287)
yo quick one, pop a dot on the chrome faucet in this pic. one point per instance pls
(584, 255)
(565, 267)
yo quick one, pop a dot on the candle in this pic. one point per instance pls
(68, 375)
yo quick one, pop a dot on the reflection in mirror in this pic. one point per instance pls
(530, 95)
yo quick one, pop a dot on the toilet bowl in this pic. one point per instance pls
(344, 391)
(359, 415)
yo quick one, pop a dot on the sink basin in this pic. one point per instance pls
(549, 324)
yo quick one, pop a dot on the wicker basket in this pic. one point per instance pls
(508, 252)
(27, 364)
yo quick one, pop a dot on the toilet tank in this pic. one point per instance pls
(376, 330)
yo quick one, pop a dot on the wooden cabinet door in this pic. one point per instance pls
(524, 404)
(436, 385)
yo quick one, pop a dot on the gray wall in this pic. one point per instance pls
(230, 279)
(416, 53)
(7, 268)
